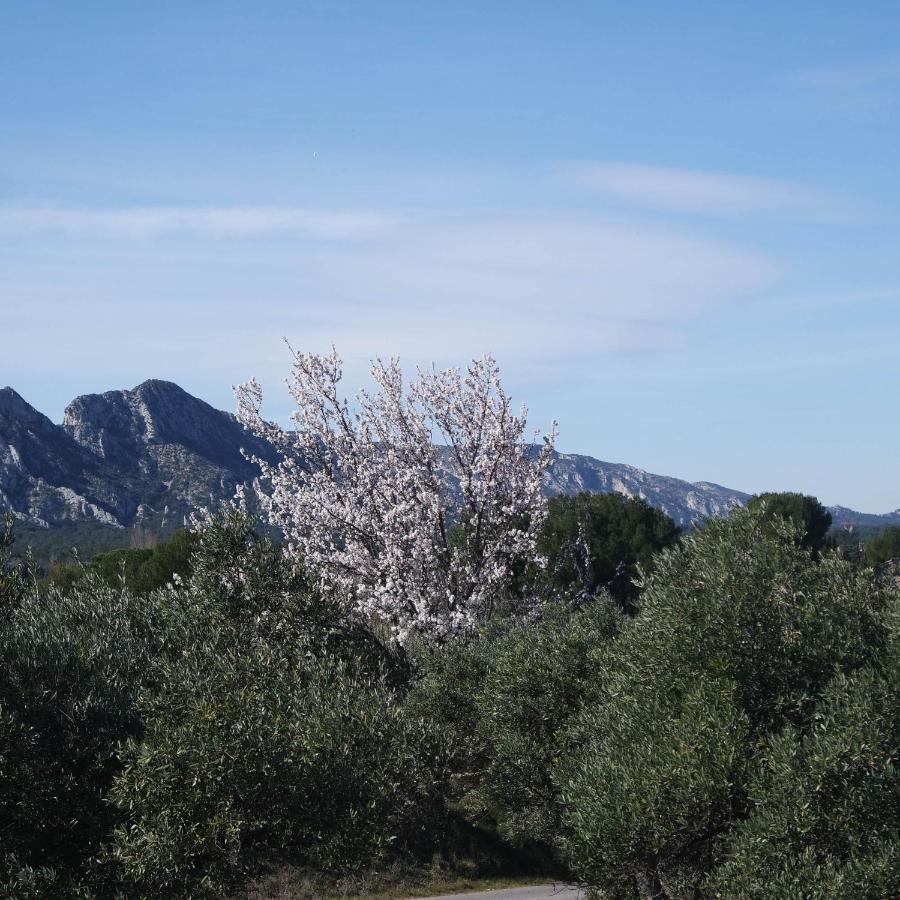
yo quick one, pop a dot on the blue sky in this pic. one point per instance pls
(675, 225)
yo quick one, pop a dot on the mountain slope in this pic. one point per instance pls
(154, 454)
(683, 501)
(45, 476)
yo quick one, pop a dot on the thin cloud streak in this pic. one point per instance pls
(708, 193)
(851, 76)
(530, 287)
(214, 222)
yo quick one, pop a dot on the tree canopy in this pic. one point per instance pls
(803, 510)
(884, 546)
(599, 541)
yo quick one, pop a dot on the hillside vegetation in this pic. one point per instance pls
(735, 737)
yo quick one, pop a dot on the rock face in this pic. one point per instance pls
(155, 454)
(683, 501)
(45, 476)
(152, 453)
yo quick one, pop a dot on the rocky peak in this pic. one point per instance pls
(158, 429)
(120, 425)
(16, 409)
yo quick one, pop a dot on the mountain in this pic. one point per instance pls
(149, 455)
(154, 454)
(45, 475)
(842, 517)
(684, 501)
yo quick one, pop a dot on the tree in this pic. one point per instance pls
(367, 500)
(805, 511)
(506, 698)
(16, 576)
(140, 569)
(71, 668)
(275, 730)
(884, 546)
(740, 631)
(824, 815)
(597, 541)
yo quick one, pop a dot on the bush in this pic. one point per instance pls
(737, 738)
(809, 517)
(244, 643)
(276, 732)
(506, 698)
(138, 570)
(883, 546)
(70, 671)
(655, 789)
(16, 576)
(71, 668)
(824, 817)
(261, 754)
(740, 630)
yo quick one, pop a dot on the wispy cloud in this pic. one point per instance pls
(531, 287)
(851, 76)
(707, 193)
(215, 222)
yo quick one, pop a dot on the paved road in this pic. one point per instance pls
(539, 892)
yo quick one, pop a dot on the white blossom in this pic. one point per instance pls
(368, 496)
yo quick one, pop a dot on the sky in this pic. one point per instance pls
(676, 226)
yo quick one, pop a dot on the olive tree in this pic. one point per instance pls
(740, 630)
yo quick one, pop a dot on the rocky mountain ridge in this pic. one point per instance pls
(154, 454)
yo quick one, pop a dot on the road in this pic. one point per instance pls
(538, 892)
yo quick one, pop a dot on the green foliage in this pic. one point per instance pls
(54, 545)
(266, 752)
(654, 788)
(15, 575)
(140, 570)
(738, 737)
(808, 515)
(70, 671)
(600, 541)
(824, 802)
(277, 730)
(506, 698)
(244, 656)
(884, 546)
(740, 629)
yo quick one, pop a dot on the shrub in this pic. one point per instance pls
(740, 630)
(276, 732)
(506, 698)
(824, 801)
(70, 671)
(883, 546)
(266, 753)
(139, 570)
(16, 576)
(810, 518)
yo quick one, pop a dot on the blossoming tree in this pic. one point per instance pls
(415, 503)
